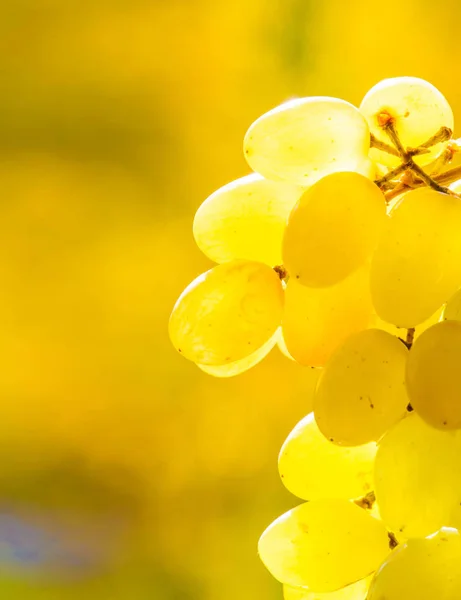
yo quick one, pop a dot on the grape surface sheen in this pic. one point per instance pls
(417, 265)
(418, 478)
(434, 375)
(324, 545)
(311, 467)
(333, 229)
(361, 391)
(245, 219)
(355, 591)
(318, 320)
(422, 569)
(418, 109)
(227, 313)
(307, 138)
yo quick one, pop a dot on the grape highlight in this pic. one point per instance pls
(343, 248)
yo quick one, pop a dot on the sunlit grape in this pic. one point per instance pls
(452, 310)
(434, 375)
(324, 545)
(245, 219)
(227, 313)
(307, 138)
(244, 364)
(422, 569)
(417, 109)
(318, 320)
(333, 229)
(418, 478)
(417, 264)
(311, 467)
(361, 391)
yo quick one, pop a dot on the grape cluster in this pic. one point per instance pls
(344, 249)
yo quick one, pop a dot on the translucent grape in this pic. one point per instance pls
(245, 219)
(452, 310)
(434, 375)
(424, 569)
(418, 109)
(282, 346)
(417, 265)
(307, 138)
(244, 364)
(333, 229)
(323, 545)
(318, 320)
(312, 468)
(361, 391)
(402, 333)
(355, 591)
(227, 313)
(418, 478)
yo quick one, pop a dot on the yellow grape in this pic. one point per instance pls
(227, 313)
(323, 545)
(307, 138)
(434, 375)
(361, 391)
(422, 569)
(312, 468)
(282, 346)
(452, 310)
(355, 591)
(402, 333)
(418, 478)
(244, 364)
(245, 219)
(417, 264)
(418, 109)
(318, 320)
(333, 229)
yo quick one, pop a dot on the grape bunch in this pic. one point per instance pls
(344, 249)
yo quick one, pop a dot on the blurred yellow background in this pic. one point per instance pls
(126, 473)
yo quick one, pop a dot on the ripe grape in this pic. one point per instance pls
(227, 313)
(312, 468)
(422, 569)
(333, 229)
(244, 364)
(318, 320)
(355, 591)
(418, 478)
(418, 111)
(417, 265)
(434, 375)
(245, 219)
(324, 545)
(361, 391)
(307, 138)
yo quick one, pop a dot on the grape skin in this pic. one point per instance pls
(307, 138)
(355, 591)
(333, 229)
(248, 295)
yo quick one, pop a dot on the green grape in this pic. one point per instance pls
(307, 138)
(333, 229)
(227, 313)
(422, 569)
(418, 478)
(452, 310)
(355, 591)
(417, 265)
(245, 219)
(418, 110)
(312, 468)
(434, 375)
(244, 364)
(361, 391)
(318, 320)
(324, 545)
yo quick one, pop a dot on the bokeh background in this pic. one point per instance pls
(125, 472)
